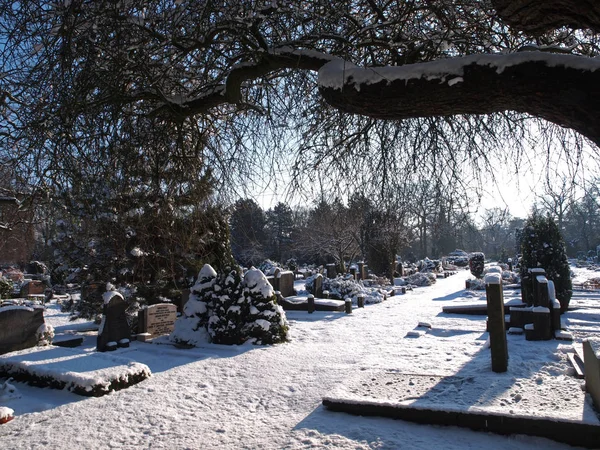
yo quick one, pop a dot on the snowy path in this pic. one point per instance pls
(270, 398)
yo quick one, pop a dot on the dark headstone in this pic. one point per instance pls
(331, 272)
(18, 327)
(114, 330)
(361, 271)
(354, 272)
(311, 304)
(274, 281)
(348, 306)
(496, 323)
(360, 301)
(540, 291)
(318, 285)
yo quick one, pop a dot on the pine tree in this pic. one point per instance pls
(190, 329)
(230, 307)
(542, 245)
(266, 323)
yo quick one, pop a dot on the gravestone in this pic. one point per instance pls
(274, 282)
(18, 327)
(361, 270)
(496, 322)
(157, 320)
(114, 329)
(32, 287)
(331, 272)
(286, 283)
(591, 351)
(354, 272)
(318, 285)
(540, 291)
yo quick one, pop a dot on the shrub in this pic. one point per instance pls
(476, 264)
(225, 308)
(6, 288)
(543, 246)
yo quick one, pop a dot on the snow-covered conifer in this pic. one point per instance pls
(266, 322)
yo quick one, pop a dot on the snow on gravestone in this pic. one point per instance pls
(114, 329)
(157, 320)
(19, 327)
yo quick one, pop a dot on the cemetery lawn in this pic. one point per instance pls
(404, 351)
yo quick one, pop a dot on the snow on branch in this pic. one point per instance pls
(231, 92)
(563, 89)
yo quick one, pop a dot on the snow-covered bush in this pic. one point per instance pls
(45, 334)
(476, 264)
(341, 288)
(429, 265)
(266, 323)
(268, 267)
(228, 309)
(6, 288)
(421, 279)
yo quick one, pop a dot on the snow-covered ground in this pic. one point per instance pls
(220, 397)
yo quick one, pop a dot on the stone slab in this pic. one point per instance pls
(321, 304)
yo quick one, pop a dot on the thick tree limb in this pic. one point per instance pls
(540, 16)
(561, 89)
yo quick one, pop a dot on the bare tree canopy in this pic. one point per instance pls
(538, 17)
(227, 81)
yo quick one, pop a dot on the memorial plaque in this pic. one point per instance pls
(160, 319)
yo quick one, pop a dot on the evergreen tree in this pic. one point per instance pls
(266, 322)
(229, 308)
(190, 328)
(542, 246)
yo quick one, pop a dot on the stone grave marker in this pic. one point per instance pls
(331, 272)
(496, 322)
(157, 320)
(18, 327)
(361, 271)
(318, 285)
(286, 283)
(114, 329)
(32, 287)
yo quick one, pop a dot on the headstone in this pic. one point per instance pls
(18, 327)
(318, 285)
(348, 306)
(157, 320)
(114, 329)
(360, 301)
(540, 291)
(32, 287)
(496, 322)
(311, 304)
(354, 272)
(591, 351)
(361, 271)
(274, 281)
(331, 272)
(286, 283)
